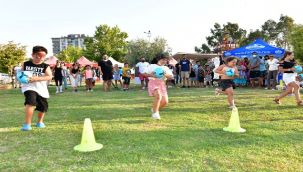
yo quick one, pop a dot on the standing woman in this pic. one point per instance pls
(74, 72)
(289, 77)
(58, 76)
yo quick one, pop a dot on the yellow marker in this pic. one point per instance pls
(88, 142)
(234, 123)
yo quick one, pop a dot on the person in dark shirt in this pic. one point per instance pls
(185, 70)
(289, 77)
(106, 70)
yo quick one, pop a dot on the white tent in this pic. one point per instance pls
(115, 62)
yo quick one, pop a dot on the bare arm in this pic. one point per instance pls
(48, 76)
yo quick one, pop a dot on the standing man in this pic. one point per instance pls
(106, 70)
(143, 65)
(254, 67)
(185, 68)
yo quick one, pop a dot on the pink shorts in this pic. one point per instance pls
(142, 77)
(156, 84)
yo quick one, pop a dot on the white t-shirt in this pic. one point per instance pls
(151, 68)
(40, 87)
(142, 66)
(273, 64)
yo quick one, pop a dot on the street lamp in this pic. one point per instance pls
(148, 35)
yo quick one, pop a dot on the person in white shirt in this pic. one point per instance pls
(143, 65)
(273, 65)
(16, 70)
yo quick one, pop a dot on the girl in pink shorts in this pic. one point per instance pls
(156, 84)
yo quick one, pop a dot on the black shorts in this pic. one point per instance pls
(201, 79)
(254, 74)
(126, 80)
(226, 83)
(107, 77)
(34, 99)
(263, 74)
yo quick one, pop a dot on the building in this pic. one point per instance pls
(76, 40)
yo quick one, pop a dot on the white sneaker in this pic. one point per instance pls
(156, 115)
(273, 89)
(57, 92)
(91, 90)
(266, 88)
(143, 88)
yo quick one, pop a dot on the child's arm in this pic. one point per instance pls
(236, 72)
(48, 76)
(219, 70)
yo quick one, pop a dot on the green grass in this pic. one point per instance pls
(189, 137)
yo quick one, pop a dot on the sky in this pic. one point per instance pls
(183, 23)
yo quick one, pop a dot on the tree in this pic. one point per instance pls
(11, 54)
(204, 49)
(70, 54)
(284, 27)
(269, 30)
(107, 40)
(296, 38)
(252, 36)
(142, 48)
(229, 33)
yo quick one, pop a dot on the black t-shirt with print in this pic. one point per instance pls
(288, 65)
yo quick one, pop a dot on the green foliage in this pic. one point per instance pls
(142, 48)
(70, 54)
(229, 33)
(252, 36)
(204, 49)
(284, 27)
(11, 54)
(278, 32)
(297, 41)
(107, 40)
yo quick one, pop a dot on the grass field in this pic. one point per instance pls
(189, 137)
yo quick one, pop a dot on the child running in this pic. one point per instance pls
(36, 92)
(289, 77)
(156, 85)
(117, 76)
(226, 82)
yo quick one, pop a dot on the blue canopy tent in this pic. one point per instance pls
(259, 46)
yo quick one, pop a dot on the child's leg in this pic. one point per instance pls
(29, 111)
(230, 96)
(297, 92)
(286, 92)
(40, 117)
(164, 101)
(86, 84)
(157, 100)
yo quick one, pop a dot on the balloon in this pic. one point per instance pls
(298, 69)
(159, 72)
(23, 78)
(230, 72)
